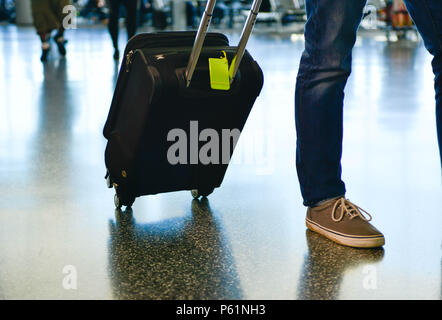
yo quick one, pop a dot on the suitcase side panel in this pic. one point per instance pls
(215, 110)
(143, 87)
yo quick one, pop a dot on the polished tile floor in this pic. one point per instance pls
(61, 238)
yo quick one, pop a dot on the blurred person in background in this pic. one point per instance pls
(48, 16)
(94, 9)
(145, 9)
(6, 10)
(114, 15)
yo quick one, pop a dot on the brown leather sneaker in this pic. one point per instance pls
(343, 222)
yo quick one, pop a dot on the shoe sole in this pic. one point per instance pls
(346, 240)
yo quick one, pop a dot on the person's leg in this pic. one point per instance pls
(330, 34)
(87, 9)
(427, 15)
(114, 15)
(44, 22)
(45, 46)
(58, 11)
(131, 17)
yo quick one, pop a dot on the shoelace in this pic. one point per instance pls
(349, 208)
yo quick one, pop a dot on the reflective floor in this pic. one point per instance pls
(61, 238)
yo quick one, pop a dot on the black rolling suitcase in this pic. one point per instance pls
(180, 102)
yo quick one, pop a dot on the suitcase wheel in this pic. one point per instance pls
(196, 193)
(119, 203)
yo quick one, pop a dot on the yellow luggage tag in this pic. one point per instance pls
(219, 73)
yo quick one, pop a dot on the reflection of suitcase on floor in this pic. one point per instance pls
(153, 261)
(154, 100)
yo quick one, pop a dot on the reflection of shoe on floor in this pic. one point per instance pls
(326, 263)
(60, 41)
(328, 260)
(343, 222)
(326, 252)
(45, 49)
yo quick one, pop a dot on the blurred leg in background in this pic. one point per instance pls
(190, 15)
(48, 16)
(427, 15)
(131, 21)
(145, 9)
(4, 12)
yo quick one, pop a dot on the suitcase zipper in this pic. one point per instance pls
(165, 40)
(129, 60)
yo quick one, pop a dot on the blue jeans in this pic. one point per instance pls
(330, 34)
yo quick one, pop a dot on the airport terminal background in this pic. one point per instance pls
(248, 240)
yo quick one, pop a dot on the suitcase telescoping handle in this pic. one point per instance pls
(201, 34)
